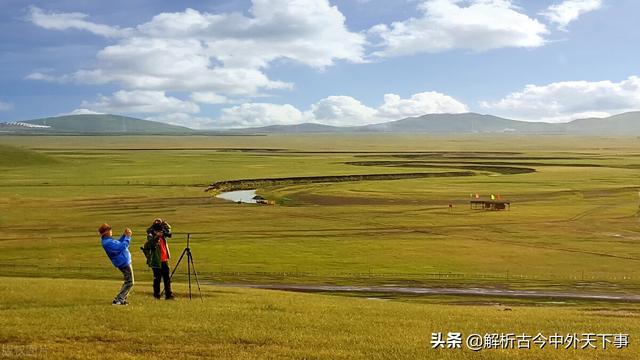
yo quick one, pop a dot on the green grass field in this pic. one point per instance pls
(68, 319)
(573, 226)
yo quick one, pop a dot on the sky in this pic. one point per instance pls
(225, 64)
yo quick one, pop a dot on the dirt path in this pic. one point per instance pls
(470, 291)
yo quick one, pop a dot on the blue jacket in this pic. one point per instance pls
(117, 250)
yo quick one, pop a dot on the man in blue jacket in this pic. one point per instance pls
(118, 253)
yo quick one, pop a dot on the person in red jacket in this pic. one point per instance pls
(156, 249)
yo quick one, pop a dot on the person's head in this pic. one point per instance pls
(157, 224)
(105, 230)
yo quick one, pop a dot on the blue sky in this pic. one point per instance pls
(216, 64)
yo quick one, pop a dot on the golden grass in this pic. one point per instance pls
(73, 319)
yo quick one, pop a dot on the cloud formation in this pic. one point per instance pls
(339, 111)
(259, 114)
(569, 10)
(569, 100)
(204, 58)
(430, 102)
(220, 53)
(46, 77)
(82, 111)
(65, 21)
(448, 24)
(140, 102)
(209, 97)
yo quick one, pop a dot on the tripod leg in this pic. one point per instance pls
(196, 275)
(175, 268)
(178, 263)
(189, 271)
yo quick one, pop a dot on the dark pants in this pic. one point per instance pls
(127, 272)
(158, 273)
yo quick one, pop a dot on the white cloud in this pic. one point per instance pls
(259, 114)
(569, 10)
(171, 65)
(64, 21)
(430, 102)
(446, 25)
(5, 106)
(564, 101)
(46, 77)
(339, 111)
(82, 111)
(209, 97)
(140, 102)
(221, 53)
(347, 111)
(311, 32)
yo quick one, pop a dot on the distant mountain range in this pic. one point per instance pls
(468, 123)
(622, 124)
(626, 124)
(297, 128)
(93, 124)
(459, 123)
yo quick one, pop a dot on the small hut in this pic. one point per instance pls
(489, 204)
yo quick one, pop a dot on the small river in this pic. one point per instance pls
(245, 196)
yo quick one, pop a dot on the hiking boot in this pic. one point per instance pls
(119, 302)
(157, 296)
(169, 297)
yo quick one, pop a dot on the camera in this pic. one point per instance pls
(157, 227)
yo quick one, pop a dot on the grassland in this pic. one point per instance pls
(67, 319)
(573, 226)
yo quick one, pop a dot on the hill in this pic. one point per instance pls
(621, 124)
(297, 128)
(459, 123)
(104, 123)
(430, 123)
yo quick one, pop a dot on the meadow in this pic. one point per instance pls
(68, 319)
(573, 226)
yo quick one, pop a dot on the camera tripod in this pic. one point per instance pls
(190, 264)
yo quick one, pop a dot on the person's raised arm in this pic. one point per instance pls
(126, 238)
